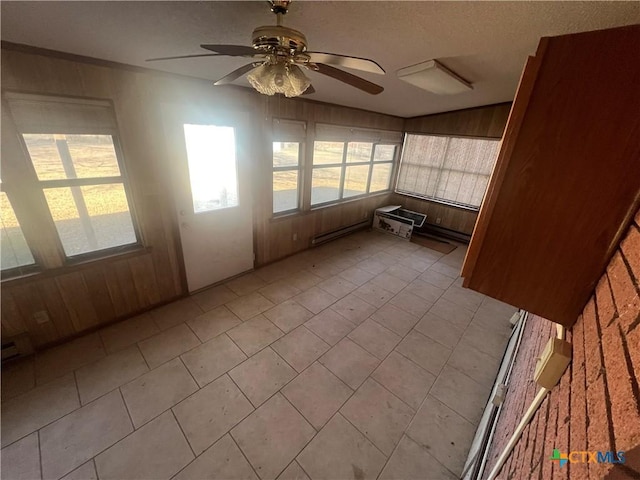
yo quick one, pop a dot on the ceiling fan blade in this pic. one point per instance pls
(309, 90)
(356, 63)
(237, 73)
(231, 50)
(350, 79)
(184, 56)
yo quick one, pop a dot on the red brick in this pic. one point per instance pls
(578, 440)
(550, 435)
(606, 307)
(630, 247)
(637, 219)
(593, 360)
(624, 411)
(598, 429)
(624, 291)
(539, 449)
(564, 422)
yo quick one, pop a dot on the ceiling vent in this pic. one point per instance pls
(435, 78)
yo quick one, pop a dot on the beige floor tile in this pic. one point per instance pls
(300, 348)
(337, 286)
(416, 263)
(461, 393)
(255, 334)
(303, 280)
(395, 319)
(315, 299)
(156, 451)
(324, 269)
(128, 332)
(18, 377)
(485, 340)
(375, 338)
(213, 323)
(372, 265)
(58, 361)
(21, 460)
(208, 414)
(354, 308)
(427, 353)
(464, 297)
(160, 389)
(262, 375)
(349, 362)
(411, 303)
(454, 314)
(279, 291)
(357, 276)
(445, 434)
(213, 359)
(496, 308)
(250, 305)
(453, 272)
(288, 315)
(272, 436)
(317, 394)
(30, 411)
(374, 294)
(424, 290)
(214, 297)
(341, 451)
(293, 472)
(379, 414)
(175, 313)
(100, 377)
(488, 319)
(168, 345)
(389, 282)
(223, 460)
(246, 284)
(472, 362)
(330, 326)
(405, 379)
(436, 278)
(440, 330)
(86, 471)
(71, 441)
(403, 272)
(413, 461)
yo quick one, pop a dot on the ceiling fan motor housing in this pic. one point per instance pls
(279, 38)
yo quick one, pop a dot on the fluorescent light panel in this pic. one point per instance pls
(434, 77)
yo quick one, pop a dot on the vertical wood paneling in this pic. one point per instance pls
(56, 307)
(77, 299)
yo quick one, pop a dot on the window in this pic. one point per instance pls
(350, 163)
(77, 169)
(288, 143)
(211, 157)
(15, 251)
(451, 170)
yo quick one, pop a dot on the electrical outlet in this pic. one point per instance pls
(41, 317)
(438, 220)
(295, 237)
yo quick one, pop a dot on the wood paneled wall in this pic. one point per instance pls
(488, 122)
(86, 296)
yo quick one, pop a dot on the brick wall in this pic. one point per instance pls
(596, 405)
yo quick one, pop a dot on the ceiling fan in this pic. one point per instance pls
(277, 53)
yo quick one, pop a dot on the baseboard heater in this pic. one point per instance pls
(443, 232)
(327, 237)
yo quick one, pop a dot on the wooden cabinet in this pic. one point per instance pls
(567, 179)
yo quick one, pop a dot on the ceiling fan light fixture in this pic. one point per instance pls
(435, 78)
(272, 78)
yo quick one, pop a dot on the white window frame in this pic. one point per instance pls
(289, 131)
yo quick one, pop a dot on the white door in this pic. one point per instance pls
(212, 189)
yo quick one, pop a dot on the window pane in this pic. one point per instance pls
(285, 154)
(327, 152)
(285, 191)
(380, 177)
(91, 218)
(384, 153)
(211, 153)
(57, 157)
(359, 152)
(14, 248)
(325, 185)
(355, 180)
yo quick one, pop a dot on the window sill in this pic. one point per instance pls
(75, 265)
(348, 200)
(441, 202)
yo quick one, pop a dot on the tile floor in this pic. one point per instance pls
(363, 358)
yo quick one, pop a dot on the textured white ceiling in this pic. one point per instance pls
(487, 43)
